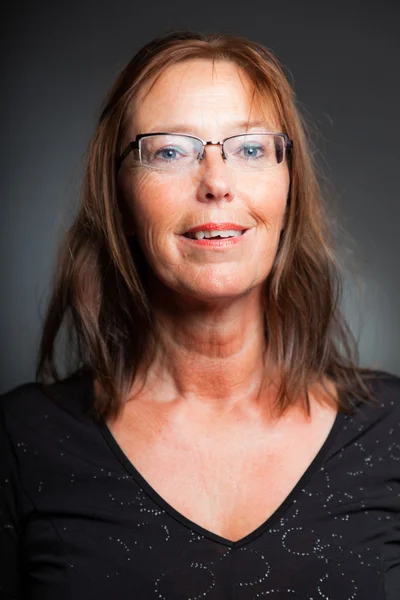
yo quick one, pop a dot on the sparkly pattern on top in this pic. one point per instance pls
(77, 521)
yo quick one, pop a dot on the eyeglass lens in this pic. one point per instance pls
(248, 151)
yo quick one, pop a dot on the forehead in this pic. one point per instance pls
(199, 93)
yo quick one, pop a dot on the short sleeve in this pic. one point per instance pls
(10, 531)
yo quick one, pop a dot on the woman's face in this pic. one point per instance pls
(210, 102)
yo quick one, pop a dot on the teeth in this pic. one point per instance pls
(225, 233)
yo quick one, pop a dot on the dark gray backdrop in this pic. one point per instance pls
(59, 59)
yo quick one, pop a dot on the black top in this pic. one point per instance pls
(78, 522)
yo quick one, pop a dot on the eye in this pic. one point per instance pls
(169, 153)
(252, 150)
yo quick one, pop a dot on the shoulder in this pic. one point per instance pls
(48, 434)
(46, 430)
(380, 418)
(27, 405)
(383, 381)
(385, 388)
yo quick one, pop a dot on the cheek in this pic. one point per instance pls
(268, 200)
(146, 200)
(154, 207)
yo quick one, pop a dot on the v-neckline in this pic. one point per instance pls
(314, 466)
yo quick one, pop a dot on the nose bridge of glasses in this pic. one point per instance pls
(210, 143)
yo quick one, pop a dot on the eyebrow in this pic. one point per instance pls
(235, 125)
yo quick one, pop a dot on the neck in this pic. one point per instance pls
(211, 355)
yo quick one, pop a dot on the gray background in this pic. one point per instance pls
(60, 58)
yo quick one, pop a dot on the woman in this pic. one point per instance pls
(216, 438)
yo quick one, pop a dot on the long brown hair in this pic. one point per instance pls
(99, 294)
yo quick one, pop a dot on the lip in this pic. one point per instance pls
(216, 226)
(214, 243)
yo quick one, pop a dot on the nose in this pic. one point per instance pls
(216, 178)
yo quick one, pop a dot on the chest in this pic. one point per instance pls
(227, 484)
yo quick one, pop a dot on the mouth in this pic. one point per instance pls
(214, 234)
(215, 231)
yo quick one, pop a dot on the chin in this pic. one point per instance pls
(220, 290)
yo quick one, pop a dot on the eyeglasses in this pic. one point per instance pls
(178, 151)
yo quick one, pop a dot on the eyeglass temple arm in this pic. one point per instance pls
(131, 146)
(288, 141)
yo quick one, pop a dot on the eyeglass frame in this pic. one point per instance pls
(135, 145)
